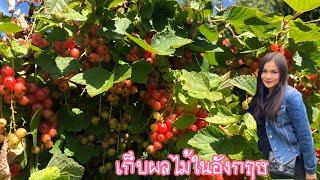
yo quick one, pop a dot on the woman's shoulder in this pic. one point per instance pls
(291, 92)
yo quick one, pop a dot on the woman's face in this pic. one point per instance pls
(270, 75)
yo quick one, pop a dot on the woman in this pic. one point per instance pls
(282, 124)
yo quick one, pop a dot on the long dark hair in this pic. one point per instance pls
(268, 106)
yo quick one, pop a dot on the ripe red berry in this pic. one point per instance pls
(45, 137)
(274, 47)
(157, 145)
(24, 100)
(75, 53)
(7, 71)
(19, 88)
(9, 82)
(162, 128)
(69, 43)
(161, 137)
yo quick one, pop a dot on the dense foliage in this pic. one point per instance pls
(84, 81)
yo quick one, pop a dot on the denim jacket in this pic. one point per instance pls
(290, 135)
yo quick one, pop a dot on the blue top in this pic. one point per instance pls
(290, 135)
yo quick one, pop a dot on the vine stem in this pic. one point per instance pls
(100, 99)
(13, 121)
(225, 131)
(312, 21)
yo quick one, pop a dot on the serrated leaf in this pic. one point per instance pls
(140, 71)
(82, 153)
(5, 50)
(183, 140)
(97, 80)
(56, 147)
(303, 5)
(166, 42)
(222, 119)
(72, 121)
(59, 66)
(245, 82)
(249, 121)
(142, 43)
(48, 173)
(67, 166)
(210, 33)
(238, 14)
(201, 89)
(35, 120)
(203, 140)
(18, 49)
(122, 25)
(184, 121)
(122, 73)
(301, 32)
(56, 6)
(74, 15)
(9, 27)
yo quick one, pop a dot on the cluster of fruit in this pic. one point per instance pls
(178, 62)
(125, 88)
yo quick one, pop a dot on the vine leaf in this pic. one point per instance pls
(69, 169)
(222, 119)
(9, 27)
(245, 82)
(184, 121)
(56, 6)
(303, 5)
(140, 70)
(58, 66)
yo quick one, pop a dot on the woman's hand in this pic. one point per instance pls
(311, 176)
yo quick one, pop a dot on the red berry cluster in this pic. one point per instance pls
(201, 114)
(12, 89)
(134, 55)
(37, 40)
(178, 62)
(288, 54)
(161, 132)
(156, 98)
(15, 169)
(125, 88)
(41, 98)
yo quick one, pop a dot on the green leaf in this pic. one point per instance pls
(56, 147)
(48, 173)
(57, 34)
(166, 42)
(222, 119)
(75, 120)
(183, 140)
(18, 49)
(142, 43)
(210, 33)
(67, 166)
(56, 6)
(300, 32)
(204, 139)
(5, 50)
(249, 121)
(184, 121)
(114, 3)
(140, 71)
(238, 14)
(97, 80)
(34, 125)
(74, 15)
(122, 25)
(9, 27)
(303, 5)
(122, 73)
(59, 66)
(245, 82)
